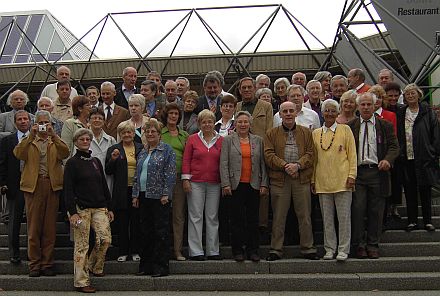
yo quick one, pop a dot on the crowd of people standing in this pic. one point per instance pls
(140, 163)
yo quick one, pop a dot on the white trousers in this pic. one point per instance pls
(342, 202)
(203, 201)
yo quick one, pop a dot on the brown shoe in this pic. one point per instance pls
(373, 254)
(97, 274)
(86, 289)
(361, 253)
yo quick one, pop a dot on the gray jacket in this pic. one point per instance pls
(230, 162)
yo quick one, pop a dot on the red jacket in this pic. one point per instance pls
(201, 163)
(390, 117)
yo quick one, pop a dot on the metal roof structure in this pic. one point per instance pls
(87, 69)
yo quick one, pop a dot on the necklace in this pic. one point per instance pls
(331, 143)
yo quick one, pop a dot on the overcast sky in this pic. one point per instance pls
(235, 27)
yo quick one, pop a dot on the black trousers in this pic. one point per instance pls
(155, 235)
(367, 203)
(127, 221)
(411, 189)
(16, 208)
(245, 205)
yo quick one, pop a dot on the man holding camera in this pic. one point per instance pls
(41, 180)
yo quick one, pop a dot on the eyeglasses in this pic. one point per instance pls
(330, 111)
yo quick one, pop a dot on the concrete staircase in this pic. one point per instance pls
(409, 261)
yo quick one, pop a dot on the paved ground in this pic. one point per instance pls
(288, 293)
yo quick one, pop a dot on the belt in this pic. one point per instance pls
(43, 176)
(368, 166)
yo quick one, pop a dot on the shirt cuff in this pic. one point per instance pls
(186, 176)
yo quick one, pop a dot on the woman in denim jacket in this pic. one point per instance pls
(153, 184)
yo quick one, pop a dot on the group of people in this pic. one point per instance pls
(129, 161)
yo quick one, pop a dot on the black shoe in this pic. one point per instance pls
(215, 257)
(239, 257)
(254, 257)
(272, 257)
(34, 273)
(48, 272)
(429, 227)
(15, 260)
(159, 274)
(311, 256)
(197, 258)
(411, 227)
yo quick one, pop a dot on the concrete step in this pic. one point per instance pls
(435, 210)
(283, 266)
(394, 233)
(400, 249)
(62, 228)
(236, 282)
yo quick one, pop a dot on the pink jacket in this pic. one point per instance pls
(201, 164)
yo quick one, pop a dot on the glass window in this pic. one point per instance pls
(5, 59)
(22, 58)
(14, 37)
(51, 57)
(5, 20)
(44, 37)
(31, 31)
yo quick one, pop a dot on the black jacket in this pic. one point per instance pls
(120, 97)
(118, 169)
(426, 143)
(9, 166)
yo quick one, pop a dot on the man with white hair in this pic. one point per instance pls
(262, 81)
(299, 78)
(171, 93)
(45, 103)
(182, 86)
(128, 87)
(17, 100)
(50, 90)
(304, 117)
(114, 114)
(377, 148)
(338, 86)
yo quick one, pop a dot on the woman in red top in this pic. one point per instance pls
(201, 180)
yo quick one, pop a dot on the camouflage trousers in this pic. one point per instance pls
(98, 220)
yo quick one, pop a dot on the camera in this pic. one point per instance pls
(42, 128)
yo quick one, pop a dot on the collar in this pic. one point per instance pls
(372, 120)
(286, 129)
(251, 102)
(20, 134)
(227, 124)
(379, 111)
(126, 89)
(332, 128)
(216, 136)
(58, 103)
(360, 86)
(166, 130)
(104, 106)
(160, 146)
(84, 155)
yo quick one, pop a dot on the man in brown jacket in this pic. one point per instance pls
(114, 114)
(41, 181)
(289, 154)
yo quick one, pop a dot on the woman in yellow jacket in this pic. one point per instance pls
(333, 179)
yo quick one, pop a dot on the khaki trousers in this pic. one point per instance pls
(179, 212)
(299, 194)
(98, 220)
(41, 214)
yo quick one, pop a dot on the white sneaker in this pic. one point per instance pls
(341, 256)
(122, 258)
(136, 257)
(328, 256)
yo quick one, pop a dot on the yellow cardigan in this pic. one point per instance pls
(334, 166)
(28, 151)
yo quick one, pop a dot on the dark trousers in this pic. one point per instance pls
(245, 205)
(411, 189)
(16, 208)
(155, 240)
(127, 221)
(367, 203)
